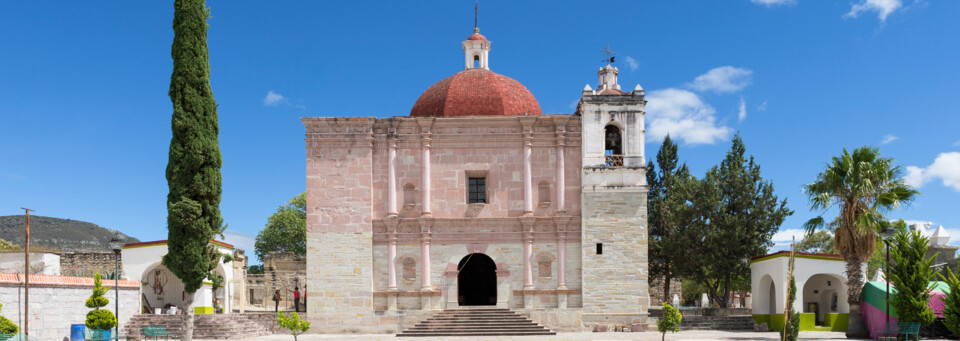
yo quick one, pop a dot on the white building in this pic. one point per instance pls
(821, 290)
(162, 289)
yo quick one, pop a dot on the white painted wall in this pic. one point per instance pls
(776, 270)
(54, 308)
(12, 262)
(139, 261)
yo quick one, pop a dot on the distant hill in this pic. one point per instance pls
(59, 234)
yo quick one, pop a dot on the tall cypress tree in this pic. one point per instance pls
(193, 170)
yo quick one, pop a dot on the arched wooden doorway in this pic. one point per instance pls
(477, 280)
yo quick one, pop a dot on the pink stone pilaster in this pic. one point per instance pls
(392, 262)
(392, 179)
(527, 261)
(425, 171)
(561, 180)
(527, 173)
(562, 263)
(425, 261)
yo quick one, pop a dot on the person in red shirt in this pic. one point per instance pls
(296, 298)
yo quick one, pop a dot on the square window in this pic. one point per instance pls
(477, 191)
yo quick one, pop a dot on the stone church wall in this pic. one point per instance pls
(447, 257)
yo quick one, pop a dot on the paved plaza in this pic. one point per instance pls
(694, 335)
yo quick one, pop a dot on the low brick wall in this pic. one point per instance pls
(56, 302)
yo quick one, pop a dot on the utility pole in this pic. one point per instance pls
(26, 276)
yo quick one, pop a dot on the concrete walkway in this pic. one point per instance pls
(694, 335)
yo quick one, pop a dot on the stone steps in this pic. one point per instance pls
(477, 322)
(717, 323)
(214, 326)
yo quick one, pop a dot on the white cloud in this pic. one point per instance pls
(722, 79)
(889, 138)
(240, 240)
(883, 8)
(785, 237)
(684, 116)
(274, 99)
(762, 106)
(769, 3)
(633, 64)
(742, 115)
(945, 167)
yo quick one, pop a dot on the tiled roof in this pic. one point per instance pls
(476, 92)
(50, 280)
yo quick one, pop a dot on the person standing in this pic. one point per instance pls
(304, 297)
(276, 301)
(296, 298)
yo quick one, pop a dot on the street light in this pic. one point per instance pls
(887, 235)
(116, 244)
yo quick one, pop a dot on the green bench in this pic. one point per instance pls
(15, 337)
(893, 330)
(98, 335)
(157, 332)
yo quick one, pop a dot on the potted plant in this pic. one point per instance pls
(99, 321)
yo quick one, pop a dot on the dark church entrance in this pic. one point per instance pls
(477, 280)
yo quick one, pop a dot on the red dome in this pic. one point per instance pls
(476, 36)
(476, 92)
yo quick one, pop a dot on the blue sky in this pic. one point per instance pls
(85, 117)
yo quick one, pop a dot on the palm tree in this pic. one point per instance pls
(863, 186)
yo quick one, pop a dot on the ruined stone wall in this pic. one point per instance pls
(87, 264)
(657, 287)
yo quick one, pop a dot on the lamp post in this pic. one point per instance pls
(886, 235)
(116, 245)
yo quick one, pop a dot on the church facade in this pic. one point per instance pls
(478, 199)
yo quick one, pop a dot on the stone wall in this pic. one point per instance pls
(56, 302)
(86, 264)
(615, 279)
(656, 291)
(282, 271)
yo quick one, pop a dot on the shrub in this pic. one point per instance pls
(294, 323)
(670, 322)
(910, 273)
(99, 319)
(951, 310)
(7, 327)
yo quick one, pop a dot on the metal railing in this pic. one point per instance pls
(613, 160)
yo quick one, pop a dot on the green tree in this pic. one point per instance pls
(193, 170)
(951, 310)
(293, 323)
(256, 269)
(862, 185)
(737, 215)
(817, 242)
(910, 273)
(97, 319)
(669, 322)
(286, 229)
(791, 326)
(670, 216)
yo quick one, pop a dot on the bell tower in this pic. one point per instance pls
(476, 51)
(614, 204)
